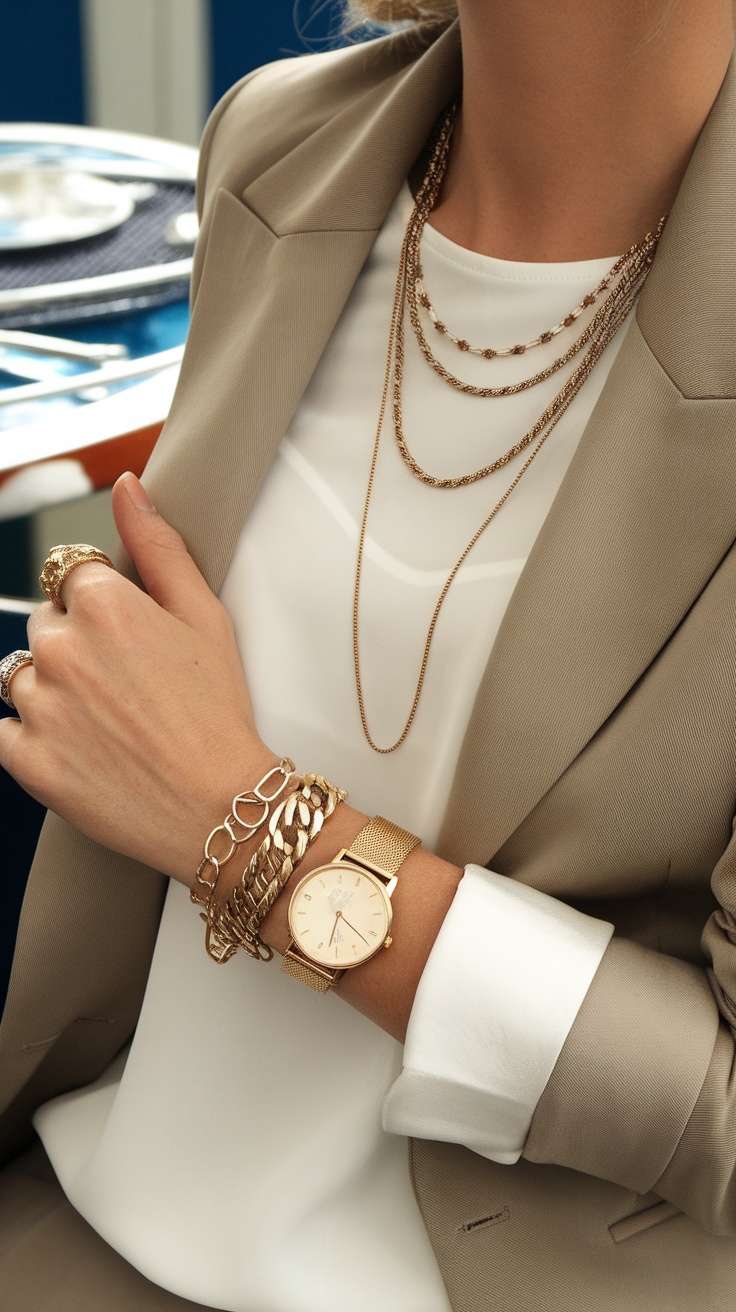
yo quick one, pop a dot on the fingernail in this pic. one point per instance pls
(137, 493)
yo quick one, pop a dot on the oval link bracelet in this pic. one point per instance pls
(226, 835)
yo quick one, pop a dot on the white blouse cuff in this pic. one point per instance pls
(503, 984)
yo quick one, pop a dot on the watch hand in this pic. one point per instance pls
(356, 931)
(334, 927)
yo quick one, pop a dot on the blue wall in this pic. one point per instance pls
(246, 33)
(41, 61)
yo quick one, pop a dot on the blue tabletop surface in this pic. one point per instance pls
(143, 332)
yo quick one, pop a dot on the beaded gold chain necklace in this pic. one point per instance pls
(627, 275)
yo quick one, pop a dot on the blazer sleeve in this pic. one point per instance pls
(643, 1092)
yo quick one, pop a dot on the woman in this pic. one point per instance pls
(570, 1091)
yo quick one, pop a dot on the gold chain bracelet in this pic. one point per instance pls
(235, 829)
(295, 824)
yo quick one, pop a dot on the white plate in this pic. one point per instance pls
(40, 207)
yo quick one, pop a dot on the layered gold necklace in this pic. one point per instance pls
(619, 290)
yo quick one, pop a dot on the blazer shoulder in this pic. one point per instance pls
(275, 109)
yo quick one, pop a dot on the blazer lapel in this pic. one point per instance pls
(279, 267)
(643, 517)
(265, 310)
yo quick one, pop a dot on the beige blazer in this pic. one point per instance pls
(600, 762)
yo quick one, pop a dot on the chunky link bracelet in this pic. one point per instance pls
(236, 829)
(295, 824)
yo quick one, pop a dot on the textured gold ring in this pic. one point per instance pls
(9, 666)
(59, 564)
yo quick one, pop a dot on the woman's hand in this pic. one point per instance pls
(135, 721)
(137, 727)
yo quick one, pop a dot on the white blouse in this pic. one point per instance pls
(236, 1154)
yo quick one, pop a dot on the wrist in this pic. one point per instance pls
(383, 987)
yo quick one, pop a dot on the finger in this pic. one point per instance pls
(43, 619)
(166, 569)
(19, 689)
(88, 571)
(10, 744)
(19, 756)
(37, 618)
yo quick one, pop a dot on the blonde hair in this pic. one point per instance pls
(386, 12)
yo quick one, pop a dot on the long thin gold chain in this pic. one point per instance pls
(617, 313)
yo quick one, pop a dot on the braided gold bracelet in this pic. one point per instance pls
(295, 824)
(236, 829)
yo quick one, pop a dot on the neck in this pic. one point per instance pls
(578, 120)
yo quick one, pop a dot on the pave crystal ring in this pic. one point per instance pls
(59, 564)
(9, 666)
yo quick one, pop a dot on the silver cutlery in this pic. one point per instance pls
(61, 348)
(106, 376)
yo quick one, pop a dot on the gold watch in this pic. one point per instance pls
(340, 914)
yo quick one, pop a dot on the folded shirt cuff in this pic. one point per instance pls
(502, 986)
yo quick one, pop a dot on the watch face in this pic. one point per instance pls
(339, 915)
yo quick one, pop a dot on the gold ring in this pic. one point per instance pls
(9, 666)
(59, 564)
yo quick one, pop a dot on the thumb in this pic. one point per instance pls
(166, 569)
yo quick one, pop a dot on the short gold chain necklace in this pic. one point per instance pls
(609, 319)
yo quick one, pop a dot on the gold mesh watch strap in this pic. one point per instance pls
(382, 845)
(317, 977)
